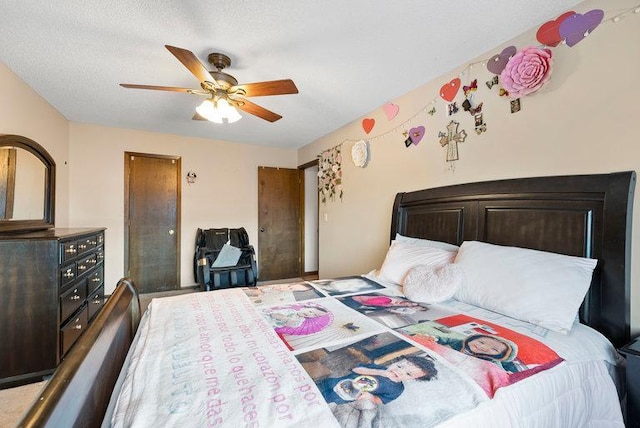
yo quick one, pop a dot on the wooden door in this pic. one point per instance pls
(279, 200)
(152, 221)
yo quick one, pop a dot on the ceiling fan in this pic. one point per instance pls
(222, 90)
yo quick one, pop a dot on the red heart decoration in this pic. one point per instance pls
(449, 90)
(368, 124)
(549, 33)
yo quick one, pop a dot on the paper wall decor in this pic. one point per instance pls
(391, 110)
(493, 82)
(360, 153)
(416, 134)
(497, 62)
(576, 27)
(473, 86)
(448, 91)
(368, 124)
(451, 138)
(330, 174)
(549, 33)
(527, 71)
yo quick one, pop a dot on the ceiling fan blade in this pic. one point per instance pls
(196, 116)
(155, 88)
(189, 60)
(273, 87)
(256, 110)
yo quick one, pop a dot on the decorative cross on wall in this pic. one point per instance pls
(451, 140)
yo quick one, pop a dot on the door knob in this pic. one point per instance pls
(171, 232)
(262, 229)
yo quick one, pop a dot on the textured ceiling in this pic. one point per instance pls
(347, 57)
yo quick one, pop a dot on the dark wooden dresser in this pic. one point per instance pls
(51, 287)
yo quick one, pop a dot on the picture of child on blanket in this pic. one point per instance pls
(499, 356)
(383, 380)
(392, 311)
(299, 319)
(280, 294)
(346, 285)
(376, 383)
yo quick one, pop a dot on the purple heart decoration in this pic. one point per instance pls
(498, 62)
(576, 27)
(416, 134)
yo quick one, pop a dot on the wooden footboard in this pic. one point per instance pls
(78, 393)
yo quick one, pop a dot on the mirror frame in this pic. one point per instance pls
(38, 151)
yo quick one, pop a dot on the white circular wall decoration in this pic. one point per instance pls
(360, 153)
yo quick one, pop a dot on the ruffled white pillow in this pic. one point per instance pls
(427, 284)
(402, 256)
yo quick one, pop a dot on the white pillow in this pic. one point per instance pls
(539, 287)
(402, 256)
(426, 284)
(426, 243)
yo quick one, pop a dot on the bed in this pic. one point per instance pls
(268, 355)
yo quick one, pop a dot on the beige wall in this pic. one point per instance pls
(225, 193)
(24, 112)
(583, 121)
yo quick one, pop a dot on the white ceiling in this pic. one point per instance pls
(347, 57)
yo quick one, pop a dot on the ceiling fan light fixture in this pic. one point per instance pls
(218, 111)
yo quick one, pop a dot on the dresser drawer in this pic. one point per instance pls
(70, 331)
(86, 244)
(68, 250)
(67, 274)
(72, 299)
(95, 279)
(96, 301)
(84, 265)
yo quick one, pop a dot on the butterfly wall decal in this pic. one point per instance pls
(473, 86)
(475, 110)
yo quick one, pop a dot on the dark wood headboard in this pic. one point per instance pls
(580, 215)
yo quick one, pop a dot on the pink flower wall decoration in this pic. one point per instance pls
(527, 71)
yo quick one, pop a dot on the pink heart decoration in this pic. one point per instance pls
(449, 90)
(549, 33)
(416, 134)
(498, 62)
(391, 110)
(368, 124)
(576, 27)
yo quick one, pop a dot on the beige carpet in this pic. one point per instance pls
(14, 401)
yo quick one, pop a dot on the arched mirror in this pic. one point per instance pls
(27, 185)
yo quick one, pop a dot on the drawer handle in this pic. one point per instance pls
(96, 279)
(70, 250)
(82, 246)
(68, 274)
(77, 327)
(97, 300)
(74, 297)
(82, 267)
